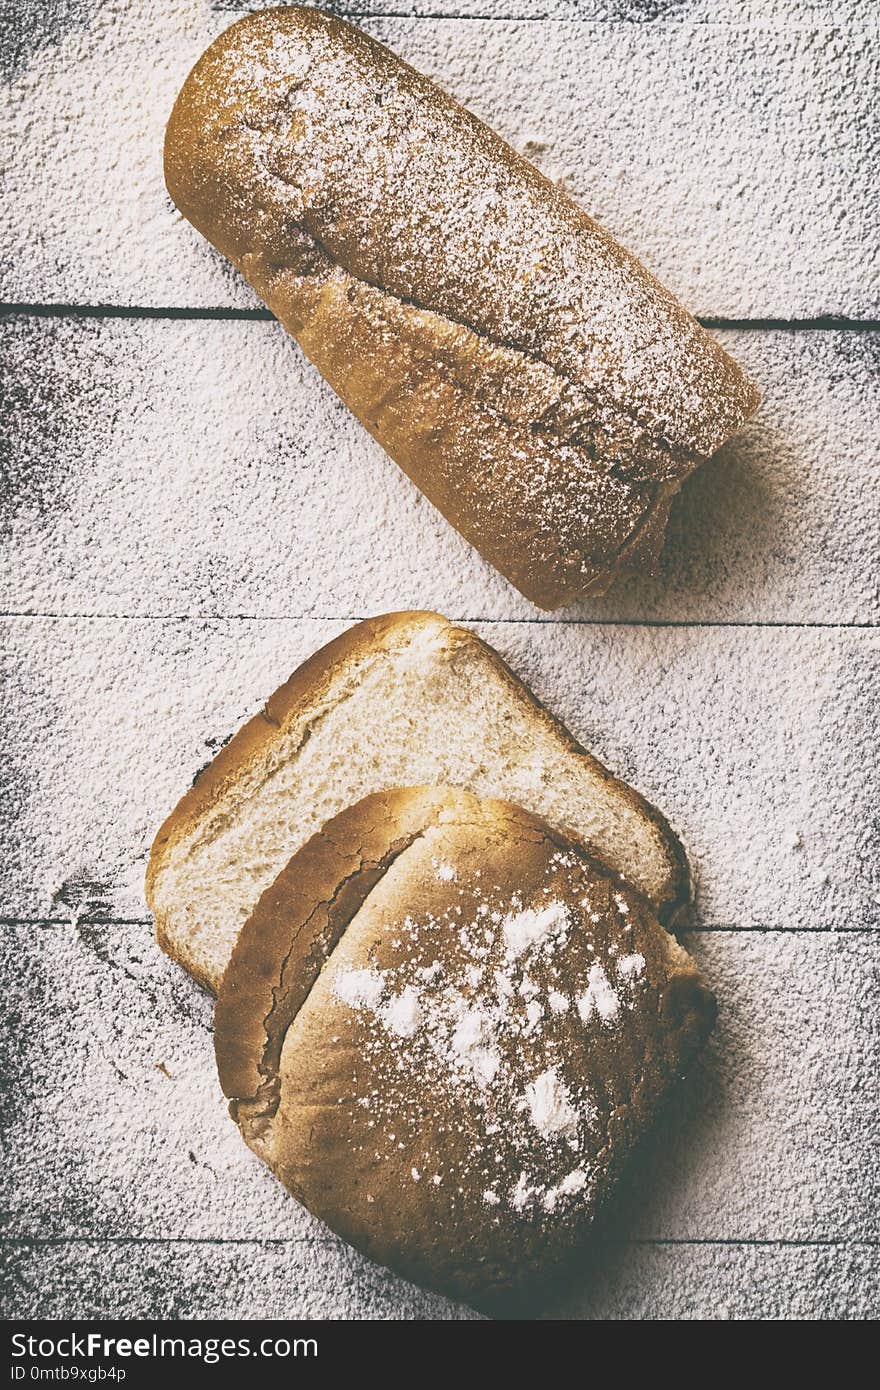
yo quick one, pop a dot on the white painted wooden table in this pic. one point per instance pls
(188, 512)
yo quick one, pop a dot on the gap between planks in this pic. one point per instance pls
(11, 615)
(822, 323)
(711, 928)
(282, 1241)
(593, 21)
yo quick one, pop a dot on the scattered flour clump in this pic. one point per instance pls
(524, 930)
(630, 967)
(550, 1107)
(534, 1014)
(403, 1013)
(570, 1185)
(360, 989)
(599, 997)
(522, 1194)
(471, 1043)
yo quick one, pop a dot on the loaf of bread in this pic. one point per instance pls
(396, 701)
(444, 1027)
(534, 380)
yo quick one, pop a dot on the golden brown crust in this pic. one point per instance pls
(450, 433)
(303, 691)
(529, 375)
(298, 922)
(380, 1130)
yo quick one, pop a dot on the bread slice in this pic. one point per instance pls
(444, 1027)
(395, 701)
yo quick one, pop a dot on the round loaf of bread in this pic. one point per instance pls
(444, 1027)
(534, 380)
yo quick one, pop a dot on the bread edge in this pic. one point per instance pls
(369, 834)
(303, 915)
(305, 686)
(551, 595)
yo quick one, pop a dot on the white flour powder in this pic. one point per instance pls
(524, 930)
(599, 997)
(403, 1014)
(550, 1107)
(360, 989)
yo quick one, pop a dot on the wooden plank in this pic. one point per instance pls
(748, 739)
(29, 29)
(639, 12)
(114, 1093)
(180, 1282)
(758, 744)
(694, 142)
(185, 467)
(279, 1281)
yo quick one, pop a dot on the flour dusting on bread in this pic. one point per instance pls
(452, 1070)
(539, 385)
(458, 1023)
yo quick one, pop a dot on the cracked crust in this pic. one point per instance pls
(529, 375)
(306, 690)
(297, 924)
(320, 1093)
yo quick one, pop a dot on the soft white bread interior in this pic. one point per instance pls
(444, 1027)
(396, 701)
